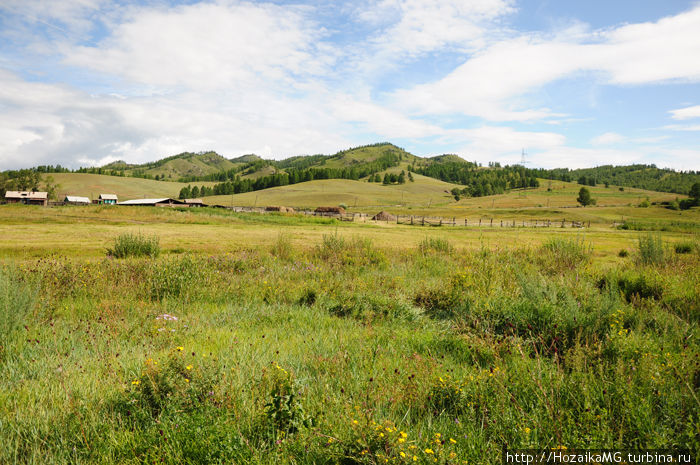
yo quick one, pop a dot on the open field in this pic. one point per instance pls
(290, 339)
(92, 185)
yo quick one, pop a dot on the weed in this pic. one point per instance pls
(651, 249)
(135, 245)
(435, 244)
(684, 247)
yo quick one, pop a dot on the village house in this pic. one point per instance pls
(76, 200)
(107, 199)
(27, 197)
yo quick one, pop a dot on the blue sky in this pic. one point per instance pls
(575, 84)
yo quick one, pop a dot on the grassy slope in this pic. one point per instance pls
(92, 185)
(312, 194)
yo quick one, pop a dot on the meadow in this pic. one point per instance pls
(244, 338)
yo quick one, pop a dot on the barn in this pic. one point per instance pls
(27, 197)
(195, 203)
(166, 202)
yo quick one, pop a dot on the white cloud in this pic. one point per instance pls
(208, 46)
(427, 25)
(686, 113)
(683, 127)
(493, 82)
(608, 138)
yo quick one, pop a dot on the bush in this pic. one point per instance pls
(561, 253)
(174, 277)
(623, 253)
(684, 247)
(135, 245)
(434, 244)
(651, 250)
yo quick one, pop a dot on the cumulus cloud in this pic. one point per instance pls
(91, 81)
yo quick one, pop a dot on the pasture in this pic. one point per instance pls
(289, 339)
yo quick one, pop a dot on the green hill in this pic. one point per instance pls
(92, 185)
(177, 167)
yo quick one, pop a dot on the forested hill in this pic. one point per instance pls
(495, 179)
(640, 176)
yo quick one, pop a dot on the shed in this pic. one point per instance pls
(76, 200)
(166, 202)
(27, 197)
(108, 199)
(195, 202)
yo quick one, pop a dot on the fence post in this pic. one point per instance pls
(465, 221)
(423, 221)
(492, 222)
(479, 222)
(441, 221)
(411, 219)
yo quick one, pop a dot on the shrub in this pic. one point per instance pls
(135, 245)
(282, 247)
(435, 244)
(684, 247)
(623, 253)
(651, 250)
(173, 277)
(565, 253)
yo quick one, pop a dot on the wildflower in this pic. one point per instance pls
(428, 451)
(188, 367)
(527, 430)
(415, 458)
(455, 442)
(187, 380)
(404, 435)
(136, 382)
(402, 454)
(180, 348)
(354, 422)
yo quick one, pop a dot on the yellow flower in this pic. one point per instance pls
(527, 430)
(187, 380)
(402, 454)
(354, 422)
(415, 458)
(453, 441)
(188, 367)
(404, 435)
(136, 382)
(180, 348)
(428, 451)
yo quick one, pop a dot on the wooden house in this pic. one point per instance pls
(27, 197)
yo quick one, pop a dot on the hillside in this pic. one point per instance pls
(423, 192)
(92, 185)
(184, 165)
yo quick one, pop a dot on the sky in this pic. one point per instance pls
(572, 83)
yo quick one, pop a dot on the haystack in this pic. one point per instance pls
(384, 216)
(280, 209)
(334, 210)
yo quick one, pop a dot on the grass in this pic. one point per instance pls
(135, 245)
(287, 340)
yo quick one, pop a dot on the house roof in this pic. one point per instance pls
(26, 195)
(193, 201)
(108, 197)
(77, 199)
(151, 201)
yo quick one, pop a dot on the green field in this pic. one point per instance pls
(92, 185)
(289, 339)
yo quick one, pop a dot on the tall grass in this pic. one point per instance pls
(18, 294)
(435, 244)
(135, 245)
(651, 249)
(346, 353)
